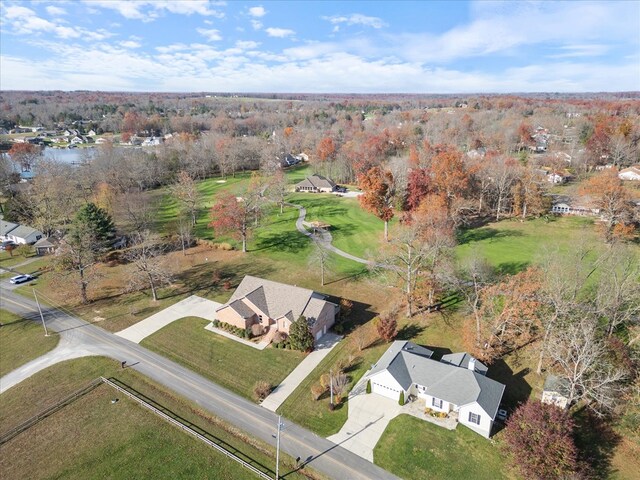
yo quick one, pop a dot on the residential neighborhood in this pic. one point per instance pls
(319, 240)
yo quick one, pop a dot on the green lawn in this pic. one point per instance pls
(93, 438)
(355, 231)
(21, 341)
(412, 448)
(224, 361)
(511, 245)
(8, 260)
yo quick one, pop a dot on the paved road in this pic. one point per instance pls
(325, 237)
(320, 453)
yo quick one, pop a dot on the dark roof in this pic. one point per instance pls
(462, 359)
(317, 181)
(448, 382)
(44, 242)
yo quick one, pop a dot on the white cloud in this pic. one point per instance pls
(130, 44)
(257, 25)
(279, 32)
(247, 44)
(149, 10)
(569, 51)
(55, 11)
(212, 35)
(356, 19)
(257, 12)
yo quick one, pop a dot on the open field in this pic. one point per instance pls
(121, 440)
(227, 363)
(436, 453)
(511, 245)
(8, 260)
(21, 341)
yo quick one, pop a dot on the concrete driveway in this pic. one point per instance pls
(369, 415)
(192, 306)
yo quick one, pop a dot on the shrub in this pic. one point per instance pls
(257, 329)
(225, 246)
(401, 399)
(345, 307)
(227, 285)
(280, 337)
(325, 381)
(338, 328)
(216, 323)
(368, 386)
(261, 390)
(317, 390)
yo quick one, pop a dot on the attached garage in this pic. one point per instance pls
(384, 384)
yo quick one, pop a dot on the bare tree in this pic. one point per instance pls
(277, 189)
(339, 383)
(320, 255)
(581, 357)
(361, 337)
(185, 191)
(149, 266)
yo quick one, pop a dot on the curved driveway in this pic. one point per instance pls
(320, 453)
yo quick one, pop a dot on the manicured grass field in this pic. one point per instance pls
(21, 341)
(228, 363)
(511, 245)
(355, 231)
(8, 260)
(413, 448)
(93, 438)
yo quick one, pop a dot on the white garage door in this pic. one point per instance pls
(319, 335)
(385, 391)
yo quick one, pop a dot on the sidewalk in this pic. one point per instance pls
(302, 371)
(192, 306)
(258, 346)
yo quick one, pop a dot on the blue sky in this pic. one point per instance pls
(320, 46)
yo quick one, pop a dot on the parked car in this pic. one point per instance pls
(341, 189)
(7, 243)
(21, 278)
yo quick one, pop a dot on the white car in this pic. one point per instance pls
(20, 278)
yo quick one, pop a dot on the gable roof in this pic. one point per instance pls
(44, 242)
(22, 231)
(462, 360)
(445, 381)
(276, 299)
(6, 227)
(317, 181)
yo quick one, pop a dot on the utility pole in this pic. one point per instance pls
(280, 427)
(46, 334)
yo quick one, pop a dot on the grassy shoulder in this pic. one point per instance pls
(122, 440)
(228, 363)
(413, 448)
(21, 341)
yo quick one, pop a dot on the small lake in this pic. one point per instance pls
(68, 155)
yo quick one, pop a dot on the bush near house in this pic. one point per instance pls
(401, 399)
(261, 390)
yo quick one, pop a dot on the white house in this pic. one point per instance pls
(5, 229)
(24, 235)
(631, 173)
(555, 392)
(455, 385)
(564, 208)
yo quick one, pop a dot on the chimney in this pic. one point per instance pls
(472, 364)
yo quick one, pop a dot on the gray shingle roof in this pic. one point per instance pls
(277, 299)
(240, 308)
(556, 384)
(462, 360)
(451, 383)
(6, 227)
(316, 181)
(22, 231)
(44, 242)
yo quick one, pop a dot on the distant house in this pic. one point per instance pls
(631, 173)
(6, 228)
(24, 235)
(276, 306)
(456, 385)
(567, 208)
(556, 392)
(316, 184)
(45, 246)
(152, 141)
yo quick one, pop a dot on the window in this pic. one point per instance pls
(474, 418)
(436, 402)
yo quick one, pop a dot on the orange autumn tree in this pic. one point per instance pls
(378, 192)
(509, 315)
(449, 174)
(610, 196)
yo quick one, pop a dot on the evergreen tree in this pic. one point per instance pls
(300, 336)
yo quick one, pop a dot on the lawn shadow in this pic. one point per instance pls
(480, 234)
(511, 268)
(438, 352)
(290, 242)
(409, 331)
(596, 441)
(517, 389)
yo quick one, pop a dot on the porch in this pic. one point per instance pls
(416, 407)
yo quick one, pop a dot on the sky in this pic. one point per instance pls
(320, 46)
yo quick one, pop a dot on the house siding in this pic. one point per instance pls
(484, 428)
(384, 384)
(327, 317)
(228, 315)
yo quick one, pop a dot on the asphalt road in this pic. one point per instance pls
(320, 453)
